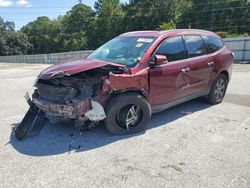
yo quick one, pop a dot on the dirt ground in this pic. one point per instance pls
(190, 145)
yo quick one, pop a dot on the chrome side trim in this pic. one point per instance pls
(162, 107)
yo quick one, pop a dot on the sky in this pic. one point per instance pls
(24, 11)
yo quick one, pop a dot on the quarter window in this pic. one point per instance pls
(213, 43)
(173, 49)
(195, 45)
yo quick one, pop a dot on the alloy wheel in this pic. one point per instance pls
(129, 117)
(220, 89)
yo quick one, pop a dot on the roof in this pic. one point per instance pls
(167, 33)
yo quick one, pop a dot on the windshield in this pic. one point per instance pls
(123, 50)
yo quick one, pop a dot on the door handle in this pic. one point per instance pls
(187, 69)
(210, 63)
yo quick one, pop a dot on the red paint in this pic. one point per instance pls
(121, 82)
(74, 67)
(163, 83)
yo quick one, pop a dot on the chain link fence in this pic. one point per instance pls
(45, 58)
(239, 46)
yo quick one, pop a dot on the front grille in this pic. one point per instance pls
(56, 93)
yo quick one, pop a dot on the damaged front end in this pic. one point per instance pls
(76, 98)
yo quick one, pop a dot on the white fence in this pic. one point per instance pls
(240, 47)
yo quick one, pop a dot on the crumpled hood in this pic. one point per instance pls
(74, 67)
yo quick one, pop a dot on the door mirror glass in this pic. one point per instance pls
(160, 59)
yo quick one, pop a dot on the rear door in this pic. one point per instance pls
(221, 57)
(200, 63)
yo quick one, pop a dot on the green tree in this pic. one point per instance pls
(16, 43)
(76, 41)
(149, 14)
(167, 26)
(79, 18)
(44, 34)
(83, 28)
(109, 23)
(221, 15)
(78, 27)
(12, 42)
(98, 7)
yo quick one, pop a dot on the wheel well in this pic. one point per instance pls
(117, 93)
(129, 91)
(226, 74)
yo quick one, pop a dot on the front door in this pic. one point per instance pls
(170, 81)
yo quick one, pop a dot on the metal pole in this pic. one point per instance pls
(244, 49)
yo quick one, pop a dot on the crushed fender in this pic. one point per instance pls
(118, 82)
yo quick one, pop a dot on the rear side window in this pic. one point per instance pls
(173, 49)
(213, 43)
(195, 45)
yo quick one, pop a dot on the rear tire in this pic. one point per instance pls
(218, 90)
(127, 113)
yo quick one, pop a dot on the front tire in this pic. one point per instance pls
(218, 90)
(127, 113)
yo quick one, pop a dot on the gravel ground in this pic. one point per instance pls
(191, 145)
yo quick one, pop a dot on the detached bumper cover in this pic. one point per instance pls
(32, 122)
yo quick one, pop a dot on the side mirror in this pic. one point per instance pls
(160, 59)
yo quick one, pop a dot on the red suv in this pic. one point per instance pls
(132, 76)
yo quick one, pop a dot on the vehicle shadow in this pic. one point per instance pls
(58, 139)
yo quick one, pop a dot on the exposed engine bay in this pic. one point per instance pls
(76, 99)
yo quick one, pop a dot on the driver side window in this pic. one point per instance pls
(173, 49)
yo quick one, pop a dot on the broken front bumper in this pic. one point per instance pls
(78, 110)
(56, 109)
